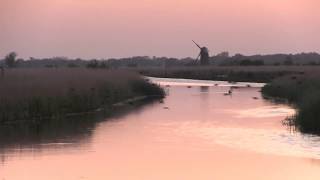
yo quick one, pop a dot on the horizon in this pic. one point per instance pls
(180, 58)
(115, 29)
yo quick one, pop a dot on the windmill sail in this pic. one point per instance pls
(198, 57)
(196, 44)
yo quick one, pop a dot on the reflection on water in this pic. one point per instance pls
(68, 135)
(263, 111)
(196, 133)
(190, 82)
(52, 136)
(277, 142)
(204, 89)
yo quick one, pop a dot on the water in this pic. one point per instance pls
(197, 133)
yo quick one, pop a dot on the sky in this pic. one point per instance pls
(125, 28)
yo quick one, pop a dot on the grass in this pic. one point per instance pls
(229, 73)
(304, 92)
(37, 94)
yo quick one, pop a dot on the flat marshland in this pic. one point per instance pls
(196, 122)
(229, 73)
(304, 92)
(35, 94)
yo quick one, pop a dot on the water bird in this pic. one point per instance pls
(229, 93)
(189, 86)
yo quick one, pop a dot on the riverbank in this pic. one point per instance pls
(304, 92)
(298, 85)
(38, 94)
(197, 124)
(261, 74)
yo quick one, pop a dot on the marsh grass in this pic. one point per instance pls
(230, 73)
(37, 94)
(304, 92)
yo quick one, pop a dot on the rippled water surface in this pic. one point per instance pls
(198, 132)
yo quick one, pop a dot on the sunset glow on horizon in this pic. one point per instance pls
(123, 28)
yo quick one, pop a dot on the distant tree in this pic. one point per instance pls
(238, 56)
(288, 61)
(312, 63)
(258, 62)
(248, 62)
(49, 66)
(224, 54)
(2, 70)
(132, 65)
(72, 65)
(103, 65)
(93, 64)
(10, 59)
(19, 62)
(245, 62)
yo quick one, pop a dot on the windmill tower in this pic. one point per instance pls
(203, 55)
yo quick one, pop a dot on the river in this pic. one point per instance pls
(197, 132)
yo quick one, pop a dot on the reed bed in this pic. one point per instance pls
(228, 73)
(36, 94)
(304, 92)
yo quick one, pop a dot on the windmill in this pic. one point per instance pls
(203, 55)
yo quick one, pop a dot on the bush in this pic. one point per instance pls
(10, 59)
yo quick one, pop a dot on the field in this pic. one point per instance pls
(37, 94)
(229, 73)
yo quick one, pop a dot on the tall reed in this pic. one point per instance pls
(229, 73)
(35, 94)
(304, 92)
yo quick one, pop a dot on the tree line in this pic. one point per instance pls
(11, 60)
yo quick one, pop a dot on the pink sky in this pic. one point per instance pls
(122, 28)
